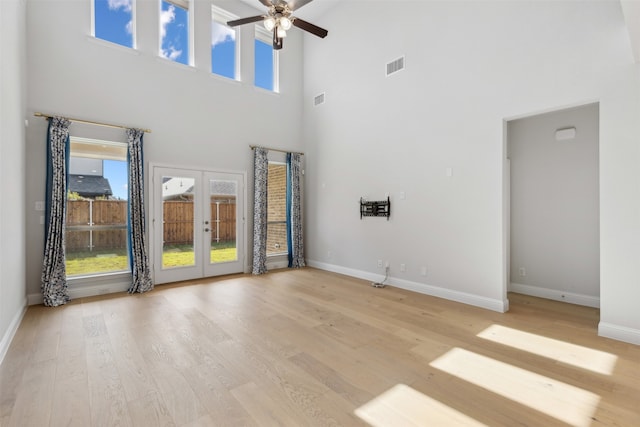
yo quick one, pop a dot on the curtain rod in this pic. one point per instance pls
(253, 147)
(90, 122)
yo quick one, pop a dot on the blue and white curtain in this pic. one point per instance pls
(294, 211)
(260, 177)
(138, 258)
(54, 274)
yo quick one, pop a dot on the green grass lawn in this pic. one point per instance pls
(79, 263)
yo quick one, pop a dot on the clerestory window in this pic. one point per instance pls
(113, 21)
(266, 60)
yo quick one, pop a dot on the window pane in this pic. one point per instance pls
(264, 65)
(174, 32)
(276, 209)
(113, 21)
(222, 195)
(223, 50)
(96, 224)
(178, 222)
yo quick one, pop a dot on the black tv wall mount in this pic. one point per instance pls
(375, 208)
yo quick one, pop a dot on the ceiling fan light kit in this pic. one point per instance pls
(279, 20)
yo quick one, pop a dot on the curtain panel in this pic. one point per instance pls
(54, 275)
(260, 177)
(294, 211)
(138, 257)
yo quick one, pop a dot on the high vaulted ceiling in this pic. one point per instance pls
(630, 9)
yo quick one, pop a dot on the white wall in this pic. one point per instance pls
(12, 169)
(470, 66)
(197, 119)
(555, 248)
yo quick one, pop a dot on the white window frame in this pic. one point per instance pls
(183, 4)
(263, 35)
(99, 283)
(222, 16)
(134, 41)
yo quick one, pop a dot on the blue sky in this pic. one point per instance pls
(113, 22)
(116, 172)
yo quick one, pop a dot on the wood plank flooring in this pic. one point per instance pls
(312, 348)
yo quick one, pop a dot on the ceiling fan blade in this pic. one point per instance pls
(313, 29)
(267, 3)
(243, 21)
(297, 4)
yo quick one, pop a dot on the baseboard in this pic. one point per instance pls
(11, 331)
(462, 297)
(620, 333)
(553, 294)
(86, 291)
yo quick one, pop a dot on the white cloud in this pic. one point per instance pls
(166, 18)
(117, 4)
(172, 53)
(221, 33)
(129, 27)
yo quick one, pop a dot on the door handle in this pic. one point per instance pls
(206, 230)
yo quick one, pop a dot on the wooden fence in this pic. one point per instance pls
(96, 225)
(178, 221)
(102, 224)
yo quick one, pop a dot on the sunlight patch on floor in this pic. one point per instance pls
(562, 401)
(404, 406)
(582, 357)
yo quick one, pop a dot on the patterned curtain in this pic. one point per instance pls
(294, 211)
(138, 258)
(260, 176)
(54, 274)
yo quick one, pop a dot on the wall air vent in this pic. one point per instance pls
(395, 66)
(318, 99)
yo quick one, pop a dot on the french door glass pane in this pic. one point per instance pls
(223, 195)
(178, 221)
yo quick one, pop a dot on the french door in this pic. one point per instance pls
(197, 223)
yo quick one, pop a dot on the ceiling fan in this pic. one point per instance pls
(279, 19)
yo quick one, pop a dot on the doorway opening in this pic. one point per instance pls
(552, 205)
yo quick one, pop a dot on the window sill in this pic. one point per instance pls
(180, 65)
(267, 91)
(225, 79)
(111, 45)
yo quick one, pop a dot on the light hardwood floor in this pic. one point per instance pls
(307, 347)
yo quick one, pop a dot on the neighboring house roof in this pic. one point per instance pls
(176, 187)
(89, 185)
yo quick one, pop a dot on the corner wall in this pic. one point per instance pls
(432, 137)
(12, 169)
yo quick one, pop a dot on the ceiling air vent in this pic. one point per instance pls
(395, 66)
(318, 99)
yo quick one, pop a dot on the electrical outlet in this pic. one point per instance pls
(379, 263)
(523, 272)
(403, 267)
